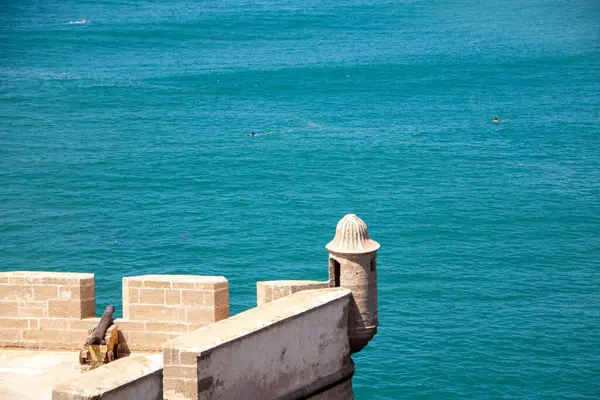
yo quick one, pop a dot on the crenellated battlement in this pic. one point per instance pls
(296, 344)
(54, 310)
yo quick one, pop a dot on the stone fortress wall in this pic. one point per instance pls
(54, 310)
(296, 344)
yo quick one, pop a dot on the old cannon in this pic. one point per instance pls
(102, 345)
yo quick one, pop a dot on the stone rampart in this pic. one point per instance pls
(133, 378)
(55, 310)
(296, 344)
(269, 291)
(290, 348)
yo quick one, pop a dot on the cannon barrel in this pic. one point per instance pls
(97, 336)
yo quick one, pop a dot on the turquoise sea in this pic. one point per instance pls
(123, 151)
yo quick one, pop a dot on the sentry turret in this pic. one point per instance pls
(353, 265)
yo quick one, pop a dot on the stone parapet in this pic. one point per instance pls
(55, 310)
(269, 291)
(132, 378)
(296, 344)
(280, 349)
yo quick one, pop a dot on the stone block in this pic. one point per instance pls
(212, 285)
(54, 280)
(74, 345)
(180, 281)
(187, 357)
(43, 292)
(7, 334)
(77, 337)
(172, 297)
(193, 327)
(180, 371)
(181, 314)
(190, 388)
(157, 284)
(128, 326)
(87, 291)
(168, 327)
(84, 324)
(54, 323)
(133, 282)
(35, 309)
(138, 312)
(72, 308)
(22, 278)
(183, 285)
(269, 291)
(151, 296)
(33, 304)
(47, 278)
(20, 344)
(64, 292)
(173, 385)
(192, 298)
(28, 312)
(134, 295)
(9, 344)
(9, 309)
(13, 323)
(217, 298)
(16, 292)
(201, 315)
(46, 335)
(221, 313)
(170, 356)
(153, 339)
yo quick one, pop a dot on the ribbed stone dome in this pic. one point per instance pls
(352, 237)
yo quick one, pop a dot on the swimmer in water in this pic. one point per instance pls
(251, 134)
(495, 120)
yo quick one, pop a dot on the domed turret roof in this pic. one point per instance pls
(352, 237)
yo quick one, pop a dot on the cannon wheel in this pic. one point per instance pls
(83, 355)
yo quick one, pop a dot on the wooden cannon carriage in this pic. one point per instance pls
(102, 346)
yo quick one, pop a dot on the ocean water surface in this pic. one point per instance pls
(123, 151)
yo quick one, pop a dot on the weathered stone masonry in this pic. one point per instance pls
(296, 344)
(54, 310)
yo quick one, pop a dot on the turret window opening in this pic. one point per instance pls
(373, 264)
(336, 272)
